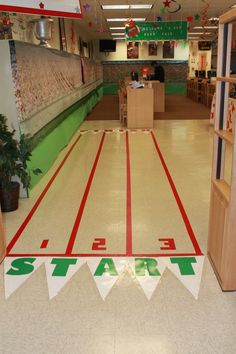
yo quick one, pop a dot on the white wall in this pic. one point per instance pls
(194, 56)
(181, 52)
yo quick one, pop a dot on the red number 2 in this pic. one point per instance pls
(99, 244)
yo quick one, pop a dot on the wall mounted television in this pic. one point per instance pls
(107, 45)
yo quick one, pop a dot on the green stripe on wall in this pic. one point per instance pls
(50, 142)
(170, 89)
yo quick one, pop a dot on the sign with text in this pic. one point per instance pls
(106, 271)
(60, 8)
(155, 31)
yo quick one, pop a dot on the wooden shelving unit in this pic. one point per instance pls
(222, 223)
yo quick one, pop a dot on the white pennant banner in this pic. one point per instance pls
(18, 270)
(59, 271)
(148, 272)
(188, 270)
(105, 270)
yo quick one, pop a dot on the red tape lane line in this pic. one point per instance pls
(128, 201)
(42, 195)
(84, 199)
(178, 200)
(107, 255)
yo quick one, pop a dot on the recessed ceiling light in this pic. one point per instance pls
(207, 27)
(117, 28)
(117, 34)
(126, 7)
(125, 19)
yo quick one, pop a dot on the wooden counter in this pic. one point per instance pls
(159, 95)
(140, 104)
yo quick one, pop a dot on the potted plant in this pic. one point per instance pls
(13, 162)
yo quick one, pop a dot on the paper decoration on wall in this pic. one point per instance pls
(159, 18)
(166, 30)
(197, 16)
(62, 8)
(175, 8)
(162, 10)
(167, 3)
(41, 5)
(189, 19)
(87, 8)
(133, 50)
(146, 271)
(131, 29)
(204, 17)
(5, 26)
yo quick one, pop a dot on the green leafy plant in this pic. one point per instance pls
(13, 156)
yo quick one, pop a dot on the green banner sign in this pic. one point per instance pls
(155, 31)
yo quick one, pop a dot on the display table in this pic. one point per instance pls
(140, 108)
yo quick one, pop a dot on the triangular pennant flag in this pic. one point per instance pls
(106, 272)
(59, 271)
(148, 272)
(188, 270)
(17, 270)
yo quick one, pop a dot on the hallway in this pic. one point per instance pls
(90, 187)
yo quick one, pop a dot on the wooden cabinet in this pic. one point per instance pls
(140, 108)
(222, 222)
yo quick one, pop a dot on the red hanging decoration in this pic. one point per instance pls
(176, 9)
(41, 5)
(131, 29)
(189, 19)
(167, 3)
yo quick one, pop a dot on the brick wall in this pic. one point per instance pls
(174, 72)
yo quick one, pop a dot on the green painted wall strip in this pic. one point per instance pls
(55, 139)
(96, 95)
(170, 89)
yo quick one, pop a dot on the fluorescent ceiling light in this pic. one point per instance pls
(117, 28)
(117, 34)
(197, 33)
(115, 7)
(207, 27)
(118, 38)
(127, 7)
(125, 19)
(141, 6)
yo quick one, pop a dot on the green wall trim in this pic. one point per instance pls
(170, 88)
(48, 128)
(58, 134)
(110, 88)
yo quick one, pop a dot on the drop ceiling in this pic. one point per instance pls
(95, 22)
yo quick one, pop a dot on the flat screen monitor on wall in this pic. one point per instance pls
(107, 45)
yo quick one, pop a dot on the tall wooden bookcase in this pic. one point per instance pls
(222, 223)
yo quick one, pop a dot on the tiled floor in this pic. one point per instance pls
(77, 320)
